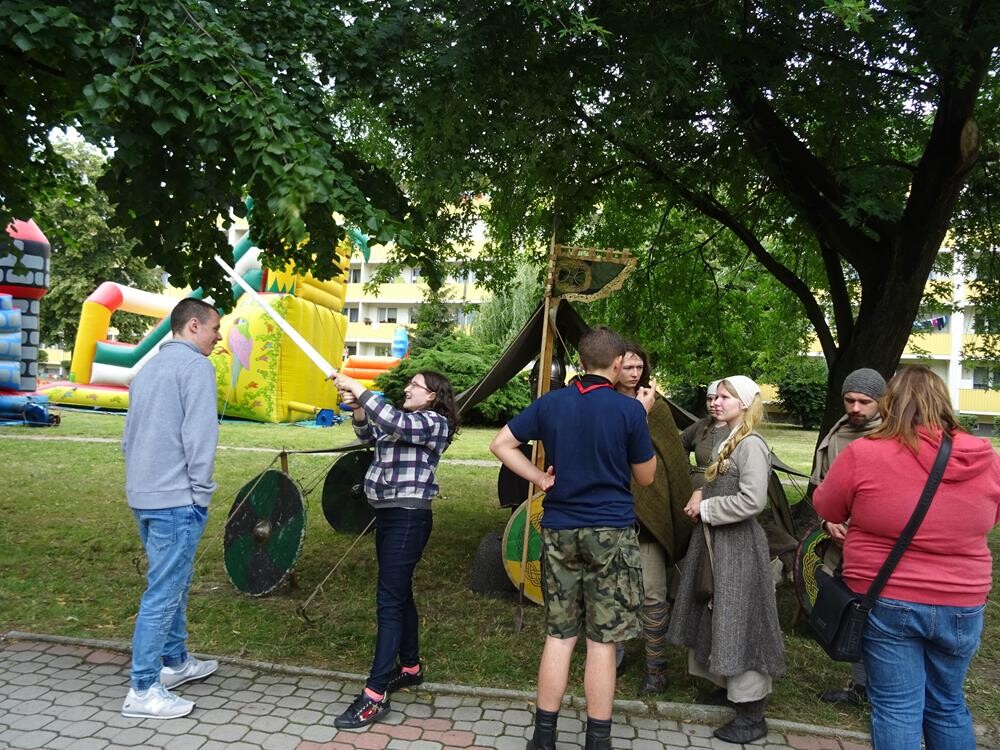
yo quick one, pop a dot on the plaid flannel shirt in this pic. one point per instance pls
(408, 446)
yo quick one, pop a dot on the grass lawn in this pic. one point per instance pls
(72, 565)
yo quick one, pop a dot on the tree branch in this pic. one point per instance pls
(953, 146)
(31, 61)
(706, 204)
(840, 297)
(805, 181)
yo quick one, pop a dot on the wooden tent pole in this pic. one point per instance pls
(549, 310)
(537, 450)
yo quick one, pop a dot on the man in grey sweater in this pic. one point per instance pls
(170, 438)
(862, 391)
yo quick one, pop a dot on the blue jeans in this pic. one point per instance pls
(917, 656)
(400, 538)
(170, 537)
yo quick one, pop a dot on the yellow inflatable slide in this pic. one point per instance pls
(261, 373)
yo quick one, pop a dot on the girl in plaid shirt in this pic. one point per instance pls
(400, 486)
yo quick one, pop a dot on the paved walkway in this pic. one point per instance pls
(67, 693)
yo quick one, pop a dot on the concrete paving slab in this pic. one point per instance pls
(252, 705)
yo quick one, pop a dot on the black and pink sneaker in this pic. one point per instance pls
(362, 712)
(400, 679)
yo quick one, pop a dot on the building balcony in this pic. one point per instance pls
(932, 343)
(978, 401)
(388, 294)
(376, 332)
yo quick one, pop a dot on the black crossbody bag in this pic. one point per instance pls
(839, 616)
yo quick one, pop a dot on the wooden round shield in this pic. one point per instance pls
(264, 532)
(344, 503)
(513, 547)
(809, 560)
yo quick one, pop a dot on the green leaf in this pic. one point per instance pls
(23, 41)
(178, 112)
(162, 125)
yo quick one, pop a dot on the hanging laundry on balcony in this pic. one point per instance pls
(937, 323)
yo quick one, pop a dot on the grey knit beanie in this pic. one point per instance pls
(865, 381)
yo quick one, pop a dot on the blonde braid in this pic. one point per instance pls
(753, 417)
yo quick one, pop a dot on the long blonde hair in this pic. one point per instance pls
(751, 419)
(915, 397)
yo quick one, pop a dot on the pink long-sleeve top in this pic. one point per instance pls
(876, 484)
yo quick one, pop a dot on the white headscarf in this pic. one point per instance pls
(711, 387)
(745, 388)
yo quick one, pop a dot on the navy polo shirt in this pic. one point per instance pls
(592, 435)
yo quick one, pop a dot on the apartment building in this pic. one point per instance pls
(372, 318)
(939, 341)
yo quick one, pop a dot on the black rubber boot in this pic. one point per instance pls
(853, 694)
(655, 681)
(748, 724)
(544, 737)
(598, 735)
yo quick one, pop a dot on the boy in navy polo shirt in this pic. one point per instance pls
(597, 442)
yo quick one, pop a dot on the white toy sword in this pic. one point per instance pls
(283, 324)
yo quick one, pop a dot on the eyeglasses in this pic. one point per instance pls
(415, 384)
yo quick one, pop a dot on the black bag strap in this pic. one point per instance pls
(923, 505)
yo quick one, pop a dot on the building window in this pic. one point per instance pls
(414, 274)
(986, 323)
(352, 314)
(984, 378)
(355, 276)
(413, 313)
(387, 314)
(382, 350)
(351, 349)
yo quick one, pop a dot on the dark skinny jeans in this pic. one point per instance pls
(400, 537)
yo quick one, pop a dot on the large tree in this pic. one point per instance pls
(203, 103)
(832, 138)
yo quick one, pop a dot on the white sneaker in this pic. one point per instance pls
(190, 670)
(155, 703)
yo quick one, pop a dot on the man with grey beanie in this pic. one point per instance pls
(861, 391)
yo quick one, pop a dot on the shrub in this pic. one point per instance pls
(802, 391)
(464, 360)
(969, 421)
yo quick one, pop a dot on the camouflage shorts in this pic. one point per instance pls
(592, 581)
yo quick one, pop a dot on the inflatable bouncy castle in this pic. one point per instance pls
(261, 374)
(24, 280)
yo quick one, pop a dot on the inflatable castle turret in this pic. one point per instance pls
(24, 280)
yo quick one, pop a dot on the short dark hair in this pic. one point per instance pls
(634, 348)
(190, 308)
(599, 347)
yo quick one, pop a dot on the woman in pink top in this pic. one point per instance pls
(925, 627)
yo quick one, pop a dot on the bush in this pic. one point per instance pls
(802, 391)
(969, 421)
(996, 425)
(464, 360)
